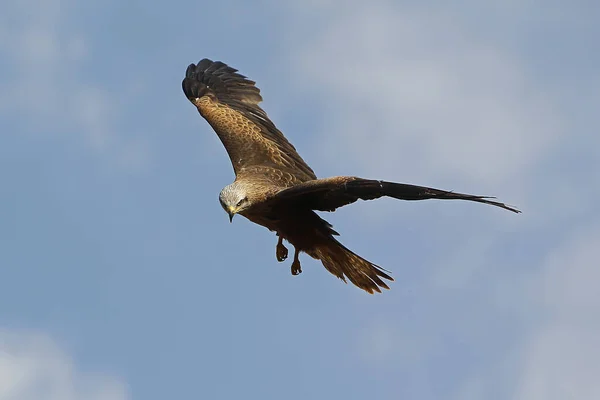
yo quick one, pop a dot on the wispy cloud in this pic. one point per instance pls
(557, 356)
(46, 88)
(562, 358)
(33, 367)
(417, 93)
(470, 96)
(430, 96)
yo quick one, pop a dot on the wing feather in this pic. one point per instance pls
(331, 193)
(229, 102)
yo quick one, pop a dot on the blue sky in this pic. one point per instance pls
(123, 279)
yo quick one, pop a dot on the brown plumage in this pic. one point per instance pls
(275, 188)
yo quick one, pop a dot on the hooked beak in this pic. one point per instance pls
(231, 211)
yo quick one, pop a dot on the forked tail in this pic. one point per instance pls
(343, 263)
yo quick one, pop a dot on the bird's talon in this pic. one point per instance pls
(281, 252)
(296, 269)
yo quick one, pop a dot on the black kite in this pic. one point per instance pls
(275, 188)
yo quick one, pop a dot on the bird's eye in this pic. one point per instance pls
(241, 202)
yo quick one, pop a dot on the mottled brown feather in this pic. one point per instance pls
(229, 102)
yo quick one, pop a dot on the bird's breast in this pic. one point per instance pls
(268, 220)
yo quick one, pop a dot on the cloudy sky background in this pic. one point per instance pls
(122, 278)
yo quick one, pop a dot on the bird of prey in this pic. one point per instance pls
(275, 188)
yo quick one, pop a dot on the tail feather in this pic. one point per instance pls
(344, 263)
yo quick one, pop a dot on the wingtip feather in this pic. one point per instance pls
(223, 81)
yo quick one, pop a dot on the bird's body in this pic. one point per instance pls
(275, 188)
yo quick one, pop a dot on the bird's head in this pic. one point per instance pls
(233, 199)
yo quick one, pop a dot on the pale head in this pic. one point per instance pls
(233, 199)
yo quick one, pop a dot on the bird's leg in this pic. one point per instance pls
(296, 269)
(281, 251)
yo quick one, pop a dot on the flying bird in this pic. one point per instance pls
(274, 187)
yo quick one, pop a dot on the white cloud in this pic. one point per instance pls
(423, 95)
(562, 357)
(558, 354)
(382, 341)
(33, 367)
(570, 284)
(416, 94)
(46, 83)
(41, 57)
(562, 363)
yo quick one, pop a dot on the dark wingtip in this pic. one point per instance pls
(192, 88)
(205, 63)
(190, 72)
(220, 79)
(192, 84)
(498, 204)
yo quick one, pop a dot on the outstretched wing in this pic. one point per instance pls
(229, 102)
(331, 193)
